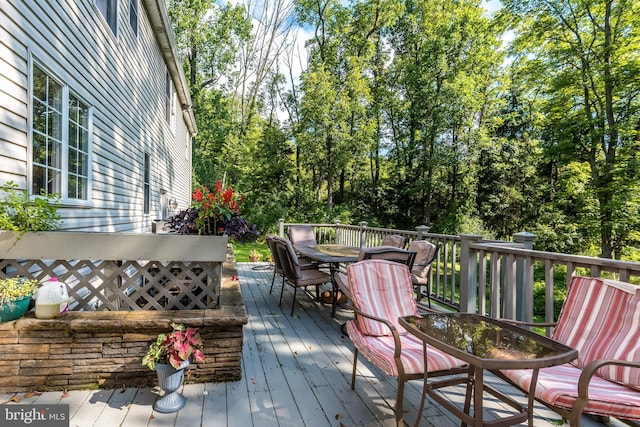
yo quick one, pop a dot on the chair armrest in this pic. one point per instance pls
(396, 336)
(423, 308)
(309, 265)
(589, 371)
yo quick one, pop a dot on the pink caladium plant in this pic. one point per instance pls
(174, 348)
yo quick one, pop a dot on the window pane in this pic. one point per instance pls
(39, 84)
(53, 181)
(54, 151)
(39, 116)
(72, 187)
(133, 15)
(73, 163)
(54, 95)
(73, 135)
(83, 115)
(54, 124)
(146, 186)
(82, 188)
(39, 149)
(73, 108)
(109, 10)
(82, 164)
(83, 140)
(38, 180)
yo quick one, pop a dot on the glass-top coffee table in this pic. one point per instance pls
(484, 343)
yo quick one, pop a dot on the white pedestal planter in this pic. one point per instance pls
(170, 380)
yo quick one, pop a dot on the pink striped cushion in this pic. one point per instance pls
(382, 289)
(379, 351)
(558, 386)
(601, 319)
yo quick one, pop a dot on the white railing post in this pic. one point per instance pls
(339, 237)
(468, 273)
(422, 230)
(363, 233)
(524, 289)
(281, 227)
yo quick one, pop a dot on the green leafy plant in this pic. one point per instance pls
(174, 348)
(16, 287)
(20, 212)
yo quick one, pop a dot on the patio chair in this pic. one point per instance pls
(599, 318)
(277, 265)
(389, 253)
(394, 240)
(381, 292)
(302, 235)
(426, 253)
(297, 274)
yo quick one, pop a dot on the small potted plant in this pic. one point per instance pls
(15, 296)
(169, 356)
(254, 255)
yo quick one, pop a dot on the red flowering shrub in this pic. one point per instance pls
(214, 212)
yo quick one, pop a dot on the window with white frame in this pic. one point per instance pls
(146, 185)
(168, 98)
(133, 16)
(109, 10)
(61, 139)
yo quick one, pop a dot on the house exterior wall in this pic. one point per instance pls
(122, 78)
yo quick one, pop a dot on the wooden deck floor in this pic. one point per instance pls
(296, 372)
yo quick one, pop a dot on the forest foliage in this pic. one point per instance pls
(402, 113)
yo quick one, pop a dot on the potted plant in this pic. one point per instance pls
(254, 255)
(214, 212)
(169, 356)
(15, 296)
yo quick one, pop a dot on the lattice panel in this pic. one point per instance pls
(127, 285)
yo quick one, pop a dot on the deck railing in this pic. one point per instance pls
(496, 278)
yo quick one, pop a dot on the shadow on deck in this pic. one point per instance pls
(296, 372)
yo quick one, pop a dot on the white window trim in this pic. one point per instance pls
(64, 185)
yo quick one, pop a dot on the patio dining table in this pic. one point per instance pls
(333, 255)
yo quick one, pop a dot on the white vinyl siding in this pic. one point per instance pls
(122, 80)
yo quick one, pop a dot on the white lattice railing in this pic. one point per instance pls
(115, 271)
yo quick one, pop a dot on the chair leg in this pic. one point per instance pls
(281, 291)
(399, 399)
(293, 303)
(353, 373)
(272, 280)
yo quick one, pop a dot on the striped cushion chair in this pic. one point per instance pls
(601, 319)
(381, 291)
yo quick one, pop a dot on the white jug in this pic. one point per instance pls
(52, 299)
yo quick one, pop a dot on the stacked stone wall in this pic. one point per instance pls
(104, 349)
